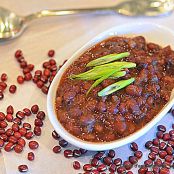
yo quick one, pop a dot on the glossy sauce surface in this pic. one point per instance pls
(98, 119)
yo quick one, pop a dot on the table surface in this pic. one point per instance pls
(59, 33)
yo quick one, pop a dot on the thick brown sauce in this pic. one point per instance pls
(109, 118)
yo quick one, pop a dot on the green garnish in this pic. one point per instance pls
(104, 68)
(107, 59)
(115, 87)
(97, 82)
(118, 74)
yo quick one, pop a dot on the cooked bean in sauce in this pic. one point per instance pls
(103, 119)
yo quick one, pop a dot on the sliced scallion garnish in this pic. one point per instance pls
(107, 59)
(115, 87)
(97, 82)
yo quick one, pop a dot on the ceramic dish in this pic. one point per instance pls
(153, 33)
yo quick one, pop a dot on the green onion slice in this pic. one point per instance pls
(107, 59)
(115, 87)
(118, 74)
(97, 82)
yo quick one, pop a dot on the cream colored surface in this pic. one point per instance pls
(65, 35)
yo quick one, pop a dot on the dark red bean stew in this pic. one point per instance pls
(103, 119)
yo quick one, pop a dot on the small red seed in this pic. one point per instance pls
(94, 162)
(68, 153)
(161, 128)
(52, 62)
(26, 70)
(148, 144)
(27, 126)
(2, 131)
(17, 135)
(33, 145)
(4, 77)
(101, 168)
(3, 124)
(45, 89)
(9, 117)
(55, 135)
(18, 53)
(12, 89)
(27, 111)
(12, 139)
(20, 115)
(23, 168)
(118, 162)
(29, 135)
(47, 72)
(30, 67)
(21, 142)
(57, 149)
(9, 132)
(128, 165)
(111, 153)
(63, 143)
(17, 121)
(18, 148)
(76, 153)
(38, 122)
(8, 147)
(87, 167)
(38, 73)
(41, 115)
(10, 109)
(4, 137)
(37, 131)
(28, 76)
(2, 116)
(23, 64)
(166, 137)
(134, 146)
(31, 156)
(162, 154)
(51, 53)
(76, 165)
(35, 109)
(138, 154)
(22, 131)
(133, 159)
(148, 163)
(3, 86)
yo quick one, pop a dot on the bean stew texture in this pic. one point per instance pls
(103, 119)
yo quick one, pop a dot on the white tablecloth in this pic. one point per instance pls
(61, 34)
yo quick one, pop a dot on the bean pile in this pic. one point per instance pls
(159, 161)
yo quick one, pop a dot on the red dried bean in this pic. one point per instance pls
(10, 109)
(38, 73)
(29, 135)
(83, 151)
(134, 146)
(18, 148)
(99, 155)
(52, 62)
(27, 126)
(148, 144)
(55, 135)
(4, 77)
(161, 128)
(128, 165)
(169, 150)
(20, 115)
(156, 142)
(27, 111)
(2, 116)
(94, 162)
(30, 67)
(154, 149)
(2, 131)
(3, 85)
(17, 121)
(4, 137)
(166, 137)
(17, 135)
(142, 170)
(112, 168)
(118, 162)
(63, 143)
(76, 153)
(138, 154)
(148, 163)
(9, 117)
(121, 170)
(26, 70)
(152, 156)
(87, 167)
(162, 145)
(37, 131)
(1, 95)
(40, 84)
(28, 76)
(41, 115)
(101, 168)
(9, 132)
(111, 153)
(57, 149)
(133, 159)
(76, 165)
(68, 153)
(12, 89)
(38, 122)
(8, 147)
(18, 53)
(31, 156)
(3, 124)
(107, 161)
(45, 89)
(23, 168)
(12, 139)
(21, 142)
(51, 53)
(23, 64)
(33, 145)
(162, 154)
(159, 134)
(22, 131)
(35, 109)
